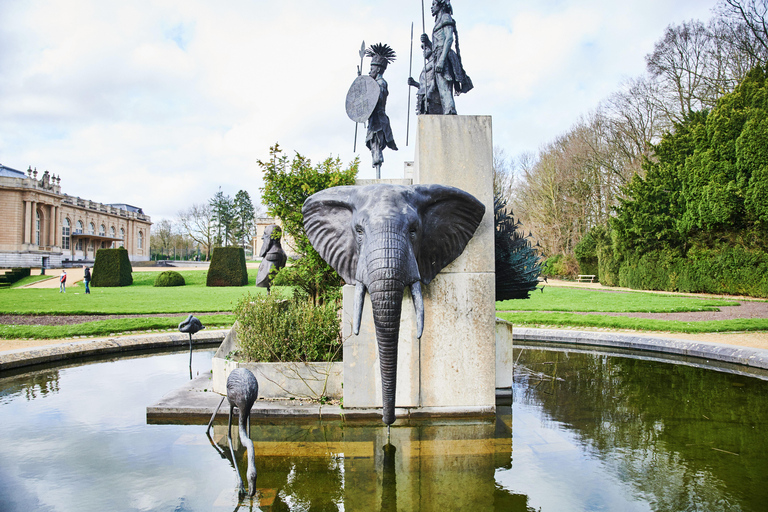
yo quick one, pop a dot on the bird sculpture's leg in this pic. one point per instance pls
(190, 356)
(232, 450)
(213, 416)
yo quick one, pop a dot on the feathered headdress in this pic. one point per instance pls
(381, 54)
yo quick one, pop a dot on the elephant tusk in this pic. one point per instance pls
(418, 306)
(358, 307)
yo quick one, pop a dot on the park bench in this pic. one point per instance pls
(583, 278)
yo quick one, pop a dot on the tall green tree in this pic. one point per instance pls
(287, 184)
(224, 217)
(244, 218)
(708, 184)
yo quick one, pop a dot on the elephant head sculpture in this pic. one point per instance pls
(382, 238)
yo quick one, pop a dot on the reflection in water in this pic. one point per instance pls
(584, 432)
(673, 437)
(389, 479)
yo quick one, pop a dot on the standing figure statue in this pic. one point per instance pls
(443, 68)
(427, 97)
(272, 254)
(379, 133)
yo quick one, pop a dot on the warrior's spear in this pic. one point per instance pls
(410, 71)
(360, 72)
(424, 31)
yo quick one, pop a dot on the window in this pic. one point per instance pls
(91, 229)
(141, 240)
(37, 227)
(102, 230)
(79, 230)
(65, 234)
(122, 238)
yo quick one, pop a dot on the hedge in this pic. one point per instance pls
(112, 268)
(169, 278)
(730, 270)
(227, 267)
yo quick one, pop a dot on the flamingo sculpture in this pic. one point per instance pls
(191, 325)
(242, 391)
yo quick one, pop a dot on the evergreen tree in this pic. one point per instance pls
(224, 217)
(244, 218)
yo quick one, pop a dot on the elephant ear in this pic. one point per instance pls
(328, 224)
(449, 218)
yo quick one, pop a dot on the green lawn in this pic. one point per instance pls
(139, 298)
(555, 307)
(555, 320)
(573, 299)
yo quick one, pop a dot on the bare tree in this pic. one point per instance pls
(747, 26)
(503, 174)
(198, 222)
(161, 238)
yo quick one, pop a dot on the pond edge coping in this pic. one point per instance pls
(18, 358)
(736, 354)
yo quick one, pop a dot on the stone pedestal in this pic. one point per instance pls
(452, 369)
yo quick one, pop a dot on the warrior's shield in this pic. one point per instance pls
(362, 98)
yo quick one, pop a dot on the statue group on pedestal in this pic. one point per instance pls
(442, 77)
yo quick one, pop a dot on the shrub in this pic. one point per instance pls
(169, 278)
(586, 251)
(286, 186)
(227, 267)
(561, 265)
(112, 268)
(271, 329)
(726, 270)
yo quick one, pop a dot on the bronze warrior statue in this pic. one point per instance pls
(443, 74)
(379, 133)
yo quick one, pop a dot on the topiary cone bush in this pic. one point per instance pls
(169, 278)
(112, 268)
(227, 267)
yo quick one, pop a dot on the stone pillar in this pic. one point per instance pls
(452, 369)
(33, 223)
(54, 234)
(27, 222)
(458, 348)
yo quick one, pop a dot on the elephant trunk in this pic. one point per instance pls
(386, 301)
(391, 267)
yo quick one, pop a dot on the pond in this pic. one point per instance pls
(584, 431)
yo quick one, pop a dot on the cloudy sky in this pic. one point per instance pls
(158, 103)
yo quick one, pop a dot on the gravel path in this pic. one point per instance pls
(745, 309)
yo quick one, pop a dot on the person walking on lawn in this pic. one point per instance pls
(86, 279)
(63, 282)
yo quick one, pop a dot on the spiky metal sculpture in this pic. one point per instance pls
(517, 262)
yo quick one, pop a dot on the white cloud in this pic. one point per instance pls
(159, 103)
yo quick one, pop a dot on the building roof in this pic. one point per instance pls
(11, 173)
(127, 207)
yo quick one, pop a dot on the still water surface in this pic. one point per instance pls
(584, 431)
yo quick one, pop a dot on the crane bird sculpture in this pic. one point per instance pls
(191, 325)
(242, 391)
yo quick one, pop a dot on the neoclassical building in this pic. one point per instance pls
(41, 226)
